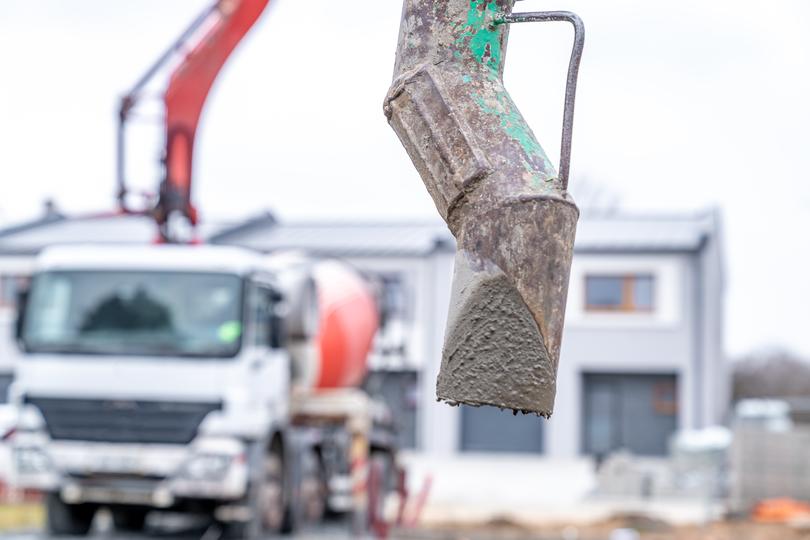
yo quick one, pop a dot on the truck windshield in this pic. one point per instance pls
(136, 313)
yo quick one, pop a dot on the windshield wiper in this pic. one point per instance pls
(152, 349)
(79, 348)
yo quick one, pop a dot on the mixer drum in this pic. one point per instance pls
(348, 323)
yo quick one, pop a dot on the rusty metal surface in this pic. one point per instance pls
(571, 79)
(499, 194)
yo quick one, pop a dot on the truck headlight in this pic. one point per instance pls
(207, 467)
(32, 460)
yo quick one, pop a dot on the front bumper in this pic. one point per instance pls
(158, 476)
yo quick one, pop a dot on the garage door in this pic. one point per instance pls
(489, 429)
(632, 412)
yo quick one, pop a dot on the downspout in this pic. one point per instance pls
(501, 197)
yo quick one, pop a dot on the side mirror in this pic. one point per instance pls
(22, 306)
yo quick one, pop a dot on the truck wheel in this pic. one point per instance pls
(380, 480)
(129, 519)
(267, 503)
(271, 506)
(67, 519)
(314, 490)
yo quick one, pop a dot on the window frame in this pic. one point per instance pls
(628, 304)
(261, 332)
(16, 284)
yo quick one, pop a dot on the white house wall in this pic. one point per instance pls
(11, 266)
(658, 342)
(668, 271)
(440, 427)
(429, 278)
(712, 298)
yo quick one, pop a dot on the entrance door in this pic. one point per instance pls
(634, 412)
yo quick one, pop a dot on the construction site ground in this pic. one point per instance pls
(647, 529)
(510, 498)
(25, 523)
(602, 531)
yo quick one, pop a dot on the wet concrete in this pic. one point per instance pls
(494, 353)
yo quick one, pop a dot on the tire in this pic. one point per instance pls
(67, 519)
(275, 496)
(237, 531)
(129, 519)
(313, 490)
(381, 474)
(269, 507)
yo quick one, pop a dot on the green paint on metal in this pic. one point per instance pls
(481, 36)
(480, 33)
(515, 126)
(540, 180)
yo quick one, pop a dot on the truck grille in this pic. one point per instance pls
(122, 421)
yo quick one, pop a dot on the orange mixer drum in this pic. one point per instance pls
(348, 322)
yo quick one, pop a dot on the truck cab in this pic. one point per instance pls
(150, 378)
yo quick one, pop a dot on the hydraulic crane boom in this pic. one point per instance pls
(210, 40)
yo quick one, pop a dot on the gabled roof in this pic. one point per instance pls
(32, 237)
(648, 233)
(342, 239)
(595, 233)
(22, 228)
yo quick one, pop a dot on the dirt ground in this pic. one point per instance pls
(648, 530)
(20, 516)
(29, 517)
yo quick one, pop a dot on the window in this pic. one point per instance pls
(394, 298)
(395, 316)
(626, 293)
(135, 313)
(262, 306)
(5, 381)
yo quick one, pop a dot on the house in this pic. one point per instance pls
(642, 351)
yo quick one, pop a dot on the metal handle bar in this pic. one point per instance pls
(571, 82)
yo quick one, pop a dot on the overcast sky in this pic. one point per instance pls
(682, 105)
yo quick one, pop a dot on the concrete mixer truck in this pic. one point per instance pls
(196, 379)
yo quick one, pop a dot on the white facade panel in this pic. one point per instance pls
(667, 271)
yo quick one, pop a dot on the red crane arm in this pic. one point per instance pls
(227, 22)
(186, 94)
